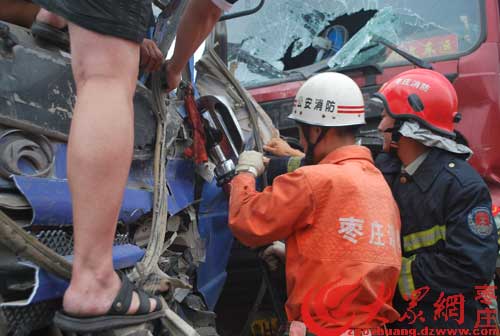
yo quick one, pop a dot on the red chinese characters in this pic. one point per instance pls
(485, 318)
(411, 315)
(452, 307)
(485, 294)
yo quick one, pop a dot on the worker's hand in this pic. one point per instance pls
(266, 161)
(274, 255)
(151, 56)
(280, 147)
(173, 77)
(251, 162)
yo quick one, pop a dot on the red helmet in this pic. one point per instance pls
(422, 95)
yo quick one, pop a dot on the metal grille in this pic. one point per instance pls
(23, 320)
(62, 242)
(57, 240)
(122, 239)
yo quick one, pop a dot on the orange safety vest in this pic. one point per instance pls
(342, 230)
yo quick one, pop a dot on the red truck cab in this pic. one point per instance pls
(274, 50)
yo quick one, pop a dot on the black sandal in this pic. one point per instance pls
(117, 316)
(51, 34)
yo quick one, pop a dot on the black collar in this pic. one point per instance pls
(429, 170)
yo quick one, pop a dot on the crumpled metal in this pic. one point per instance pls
(413, 130)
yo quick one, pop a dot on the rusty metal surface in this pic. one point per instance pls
(37, 93)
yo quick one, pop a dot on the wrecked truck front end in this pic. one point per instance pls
(192, 243)
(273, 51)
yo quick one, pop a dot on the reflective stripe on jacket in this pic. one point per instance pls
(449, 239)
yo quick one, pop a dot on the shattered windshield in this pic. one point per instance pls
(291, 34)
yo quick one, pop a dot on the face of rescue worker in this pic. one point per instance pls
(302, 139)
(386, 123)
(314, 133)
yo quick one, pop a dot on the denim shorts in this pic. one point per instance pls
(127, 19)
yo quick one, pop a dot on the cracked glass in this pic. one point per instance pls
(286, 35)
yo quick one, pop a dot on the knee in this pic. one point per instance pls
(119, 75)
(115, 81)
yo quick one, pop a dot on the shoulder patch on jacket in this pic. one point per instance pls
(463, 172)
(480, 221)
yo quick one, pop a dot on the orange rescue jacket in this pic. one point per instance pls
(341, 226)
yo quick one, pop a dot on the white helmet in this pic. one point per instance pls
(329, 99)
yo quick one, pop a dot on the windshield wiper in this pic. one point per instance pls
(410, 58)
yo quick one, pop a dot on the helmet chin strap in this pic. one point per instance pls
(395, 136)
(309, 159)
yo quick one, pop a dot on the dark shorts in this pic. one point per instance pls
(127, 19)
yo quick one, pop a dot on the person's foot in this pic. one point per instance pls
(51, 19)
(92, 295)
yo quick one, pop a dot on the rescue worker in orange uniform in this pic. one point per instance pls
(449, 236)
(337, 215)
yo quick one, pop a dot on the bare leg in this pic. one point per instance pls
(99, 156)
